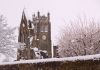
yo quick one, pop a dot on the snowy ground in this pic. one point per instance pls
(87, 57)
(2, 57)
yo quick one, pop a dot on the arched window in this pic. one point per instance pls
(46, 28)
(23, 25)
(42, 29)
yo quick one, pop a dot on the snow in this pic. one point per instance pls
(31, 39)
(31, 27)
(35, 49)
(19, 45)
(73, 59)
(44, 51)
(2, 57)
(37, 52)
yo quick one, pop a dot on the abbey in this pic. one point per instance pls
(34, 35)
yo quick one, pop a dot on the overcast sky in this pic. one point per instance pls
(60, 10)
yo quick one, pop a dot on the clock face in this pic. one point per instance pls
(44, 37)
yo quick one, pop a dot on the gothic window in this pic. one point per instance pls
(42, 29)
(46, 28)
(23, 25)
(35, 28)
(35, 37)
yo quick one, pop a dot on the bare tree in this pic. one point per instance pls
(81, 37)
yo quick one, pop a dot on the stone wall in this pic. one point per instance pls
(64, 65)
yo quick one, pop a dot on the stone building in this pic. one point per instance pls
(35, 33)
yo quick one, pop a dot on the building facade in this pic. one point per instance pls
(35, 33)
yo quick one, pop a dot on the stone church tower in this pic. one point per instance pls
(34, 33)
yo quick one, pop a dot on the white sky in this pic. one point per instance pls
(60, 10)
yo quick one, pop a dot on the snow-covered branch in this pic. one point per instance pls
(6, 38)
(82, 37)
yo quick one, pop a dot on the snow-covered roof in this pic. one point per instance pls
(35, 49)
(72, 59)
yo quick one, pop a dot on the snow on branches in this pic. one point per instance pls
(6, 38)
(80, 37)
